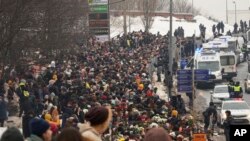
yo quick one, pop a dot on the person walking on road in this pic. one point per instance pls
(226, 125)
(210, 111)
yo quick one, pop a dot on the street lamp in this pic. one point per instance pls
(235, 11)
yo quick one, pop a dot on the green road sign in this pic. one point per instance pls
(99, 8)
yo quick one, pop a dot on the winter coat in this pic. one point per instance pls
(34, 138)
(89, 133)
(3, 110)
(25, 124)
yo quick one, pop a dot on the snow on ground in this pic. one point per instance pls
(161, 25)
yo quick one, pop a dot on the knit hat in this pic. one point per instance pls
(97, 115)
(38, 126)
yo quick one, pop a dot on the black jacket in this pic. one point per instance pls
(228, 122)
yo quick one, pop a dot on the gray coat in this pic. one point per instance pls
(34, 138)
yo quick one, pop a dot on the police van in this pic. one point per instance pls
(232, 45)
(228, 63)
(228, 59)
(209, 60)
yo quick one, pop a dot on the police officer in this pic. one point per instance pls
(238, 90)
(23, 95)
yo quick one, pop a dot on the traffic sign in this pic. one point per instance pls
(184, 83)
(99, 8)
(201, 71)
(184, 77)
(97, 2)
(201, 75)
(185, 89)
(181, 72)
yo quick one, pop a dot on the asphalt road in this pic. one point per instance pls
(242, 74)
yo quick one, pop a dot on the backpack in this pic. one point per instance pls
(206, 113)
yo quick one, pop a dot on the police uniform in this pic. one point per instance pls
(237, 91)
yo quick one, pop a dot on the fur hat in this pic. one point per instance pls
(38, 126)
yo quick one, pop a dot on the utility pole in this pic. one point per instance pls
(226, 12)
(170, 50)
(129, 22)
(235, 11)
(125, 17)
(147, 18)
(109, 17)
(193, 7)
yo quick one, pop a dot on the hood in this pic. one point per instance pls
(89, 133)
(83, 127)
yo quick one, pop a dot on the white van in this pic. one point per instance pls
(209, 60)
(233, 45)
(228, 64)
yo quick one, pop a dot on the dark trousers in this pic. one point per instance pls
(206, 121)
(1, 122)
(21, 109)
(227, 135)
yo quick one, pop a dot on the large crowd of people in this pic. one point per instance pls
(75, 91)
(106, 85)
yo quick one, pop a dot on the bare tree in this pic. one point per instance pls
(13, 15)
(182, 6)
(47, 26)
(148, 7)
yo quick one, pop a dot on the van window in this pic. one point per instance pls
(227, 60)
(209, 65)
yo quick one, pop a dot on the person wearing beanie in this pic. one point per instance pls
(157, 134)
(12, 134)
(98, 118)
(40, 130)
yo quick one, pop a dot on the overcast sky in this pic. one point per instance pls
(217, 8)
